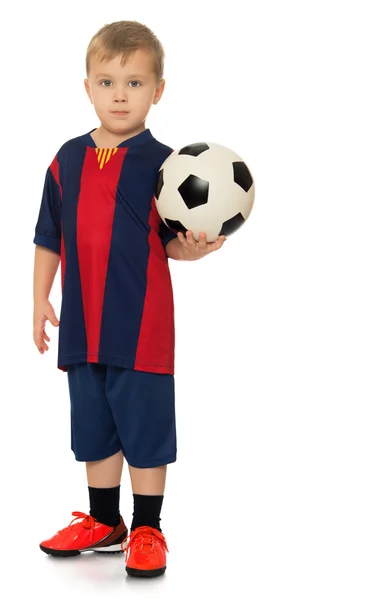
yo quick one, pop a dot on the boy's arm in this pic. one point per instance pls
(47, 241)
(174, 249)
(46, 264)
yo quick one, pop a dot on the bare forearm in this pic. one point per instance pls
(174, 249)
(46, 264)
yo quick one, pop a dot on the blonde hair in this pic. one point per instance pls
(124, 38)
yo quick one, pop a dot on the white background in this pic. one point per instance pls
(273, 495)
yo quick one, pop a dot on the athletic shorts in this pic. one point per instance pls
(115, 409)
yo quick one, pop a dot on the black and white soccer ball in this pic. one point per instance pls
(204, 187)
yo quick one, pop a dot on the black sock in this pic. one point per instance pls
(104, 505)
(147, 510)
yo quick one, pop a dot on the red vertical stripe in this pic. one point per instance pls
(156, 341)
(54, 166)
(95, 215)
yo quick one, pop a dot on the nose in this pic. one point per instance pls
(120, 94)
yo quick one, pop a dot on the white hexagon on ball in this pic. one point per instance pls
(204, 187)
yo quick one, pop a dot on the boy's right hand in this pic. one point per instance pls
(43, 312)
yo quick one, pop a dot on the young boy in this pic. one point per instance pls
(116, 338)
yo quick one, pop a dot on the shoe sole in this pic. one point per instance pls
(145, 572)
(115, 549)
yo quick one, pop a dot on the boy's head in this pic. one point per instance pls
(124, 68)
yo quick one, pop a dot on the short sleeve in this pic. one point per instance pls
(48, 227)
(166, 234)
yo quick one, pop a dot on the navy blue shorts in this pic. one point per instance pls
(115, 409)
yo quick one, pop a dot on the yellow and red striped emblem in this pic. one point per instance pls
(104, 155)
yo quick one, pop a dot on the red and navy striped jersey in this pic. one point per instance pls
(98, 212)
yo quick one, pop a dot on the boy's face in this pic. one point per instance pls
(122, 96)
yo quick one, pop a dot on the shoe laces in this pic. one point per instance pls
(146, 536)
(88, 522)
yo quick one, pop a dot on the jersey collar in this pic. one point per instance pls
(141, 138)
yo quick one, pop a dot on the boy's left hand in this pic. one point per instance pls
(193, 250)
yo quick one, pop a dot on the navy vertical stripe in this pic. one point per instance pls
(72, 326)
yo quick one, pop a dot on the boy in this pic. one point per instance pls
(116, 336)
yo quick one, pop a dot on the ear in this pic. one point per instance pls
(87, 88)
(159, 91)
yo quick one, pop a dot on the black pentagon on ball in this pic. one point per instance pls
(232, 224)
(242, 176)
(194, 191)
(159, 184)
(194, 149)
(176, 226)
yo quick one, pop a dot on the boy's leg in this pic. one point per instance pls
(143, 406)
(103, 478)
(95, 442)
(148, 487)
(151, 482)
(105, 473)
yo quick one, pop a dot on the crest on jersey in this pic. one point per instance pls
(104, 155)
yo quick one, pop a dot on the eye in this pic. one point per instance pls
(138, 83)
(104, 82)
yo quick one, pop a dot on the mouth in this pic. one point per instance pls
(119, 113)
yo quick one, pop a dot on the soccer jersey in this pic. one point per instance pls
(98, 212)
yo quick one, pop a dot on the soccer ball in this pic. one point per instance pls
(204, 187)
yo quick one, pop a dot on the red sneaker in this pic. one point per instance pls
(146, 552)
(84, 535)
